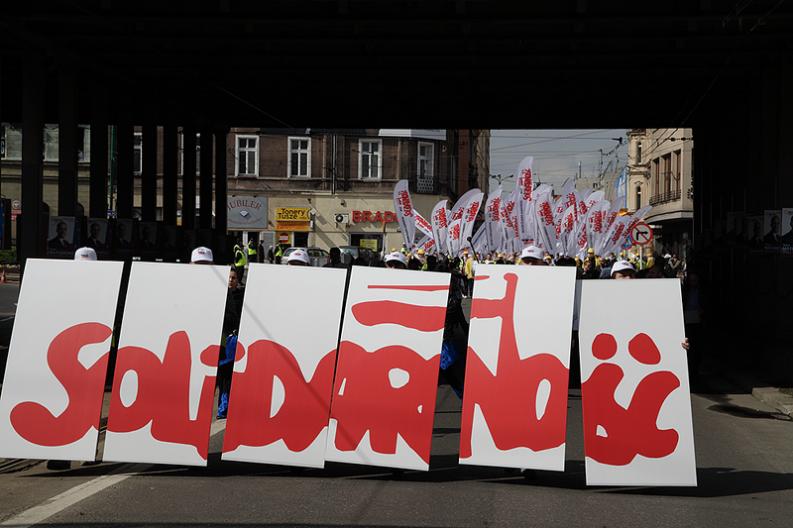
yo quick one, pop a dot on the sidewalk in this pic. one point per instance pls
(777, 398)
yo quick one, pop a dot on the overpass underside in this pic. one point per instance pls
(722, 68)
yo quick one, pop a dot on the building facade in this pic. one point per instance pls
(317, 187)
(660, 175)
(11, 166)
(339, 183)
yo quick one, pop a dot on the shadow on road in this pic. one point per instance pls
(713, 482)
(724, 405)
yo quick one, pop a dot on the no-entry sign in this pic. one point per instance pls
(642, 234)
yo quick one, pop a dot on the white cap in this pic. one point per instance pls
(202, 254)
(85, 253)
(621, 265)
(396, 255)
(532, 252)
(300, 256)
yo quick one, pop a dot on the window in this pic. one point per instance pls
(50, 143)
(84, 144)
(667, 170)
(13, 137)
(676, 169)
(299, 158)
(638, 197)
(370, 159)
(638, 152)
(247, 155)
(197, 152)
(425, 182)
(656, 177)
(137, 155)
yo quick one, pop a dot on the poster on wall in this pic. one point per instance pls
(386, 381)
(123, 236)
(787, 230)
(734, 226)
(164, 380)
(280, 391)
(61, 237)
(753, 231)
(98, 235)
(772, 223)
(515, 401)
(57, 359)
(635, 393)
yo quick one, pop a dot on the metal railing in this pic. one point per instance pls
(670, 196)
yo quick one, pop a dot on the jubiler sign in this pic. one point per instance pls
(301, 398)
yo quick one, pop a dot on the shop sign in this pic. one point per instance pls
(292, 214)
(373, 216)
(247, 212)
(292, 219)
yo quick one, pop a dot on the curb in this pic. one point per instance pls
(775, 398)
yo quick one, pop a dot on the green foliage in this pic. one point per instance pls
(8, 256)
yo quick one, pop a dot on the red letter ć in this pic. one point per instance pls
(632, 431)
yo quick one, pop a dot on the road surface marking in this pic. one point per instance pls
(54, 505)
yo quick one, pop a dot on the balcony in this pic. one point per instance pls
(670, 196)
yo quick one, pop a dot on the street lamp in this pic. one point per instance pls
(499, 178)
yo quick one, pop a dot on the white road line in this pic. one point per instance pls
(68, 498)
(72, 496)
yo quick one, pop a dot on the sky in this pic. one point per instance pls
(556, 153)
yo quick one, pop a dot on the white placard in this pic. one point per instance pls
(53, 387)
(280, 396)
(515, 400)
(635, 390)
(161, 407)
(387, 373)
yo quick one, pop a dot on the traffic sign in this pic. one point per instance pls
(642, 234)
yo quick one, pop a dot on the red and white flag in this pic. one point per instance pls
(404, 211)
(493, 227)
(524, 188)
(469, 217)
(425, 228)
(459, 205)
(440, 227)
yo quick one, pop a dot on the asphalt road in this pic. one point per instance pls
(744, 460)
